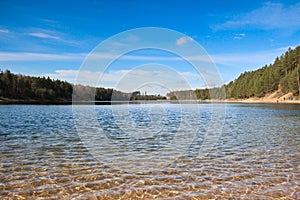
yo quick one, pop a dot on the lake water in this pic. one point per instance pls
(164, 151)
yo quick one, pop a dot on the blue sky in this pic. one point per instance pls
(52, 38)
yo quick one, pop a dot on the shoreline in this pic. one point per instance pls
(252, 101)
(243, 101)
(273, 98)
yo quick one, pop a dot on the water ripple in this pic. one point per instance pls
(256, 157)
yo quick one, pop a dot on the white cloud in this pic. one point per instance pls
(67, 75)
(285, 48)
(50, 21)
(251, 59)
(86, 77)
(4, 31)
(132, 38)
(97, 56)
(269, 16)
(239, 36)
(44, 35)
(237, 60)
(130, 80)
(118, 44)
(26, 56)
(183, 40)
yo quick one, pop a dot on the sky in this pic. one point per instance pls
(54, 38)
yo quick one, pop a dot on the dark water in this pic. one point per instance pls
(255, 156)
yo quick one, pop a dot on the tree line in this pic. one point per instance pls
(283, 74)
(28, 88)
(20, 87)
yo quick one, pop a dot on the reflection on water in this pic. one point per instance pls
(256, 157)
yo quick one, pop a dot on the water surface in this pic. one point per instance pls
(255, 157)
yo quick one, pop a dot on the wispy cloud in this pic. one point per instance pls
(53, 34)
(254, 59)
(269, 16)
(44, 35)
(37, 40)
(50, 22)
(132, 38)
(26, 56)
(118, 44)
(86, 77)
(4, 31)
(183, 40)
(130, 80)
(239, 36)
(284, 48)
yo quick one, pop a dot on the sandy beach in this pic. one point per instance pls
(275, 97)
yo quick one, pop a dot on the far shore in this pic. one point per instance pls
(243, 101)
(276, 97)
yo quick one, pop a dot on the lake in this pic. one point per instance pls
(157, 150)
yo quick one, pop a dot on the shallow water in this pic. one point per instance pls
(256, 156)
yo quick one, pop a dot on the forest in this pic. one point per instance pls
(16, 87)
(283, 74)
(20, 87)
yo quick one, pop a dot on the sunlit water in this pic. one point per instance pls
(256, 156)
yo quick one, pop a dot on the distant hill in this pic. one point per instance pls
(282, 75)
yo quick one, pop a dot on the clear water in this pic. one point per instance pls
(256, 156)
